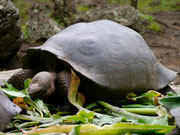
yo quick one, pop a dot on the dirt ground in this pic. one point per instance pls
(166, 45)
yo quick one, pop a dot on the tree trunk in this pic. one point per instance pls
(134, 3)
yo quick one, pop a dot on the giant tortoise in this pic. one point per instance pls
(110, 59)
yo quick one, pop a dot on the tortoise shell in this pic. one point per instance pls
(114, 58)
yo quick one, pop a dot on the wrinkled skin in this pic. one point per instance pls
(42, 85)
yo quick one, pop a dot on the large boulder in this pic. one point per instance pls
(125, 15)
(10, 31)
(65, 11)
(15, 62)
(40, 25)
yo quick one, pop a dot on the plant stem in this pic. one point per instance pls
(139, 118)
(143, 111)
(92, 105)
(118, 110)
(28, 124)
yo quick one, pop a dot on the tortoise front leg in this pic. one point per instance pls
(62, 86)
(63, 82)
(17, 80)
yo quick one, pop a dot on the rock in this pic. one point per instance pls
(40, 25)
(64, 11)
(125, 15)
(10, 31)
(16, 61)
(91, 3)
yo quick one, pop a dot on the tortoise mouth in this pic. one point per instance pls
(35, 91)
(44, 91)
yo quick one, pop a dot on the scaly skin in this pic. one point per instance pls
(42, 85)
(17, 80)
(63, 82)
(62, 87)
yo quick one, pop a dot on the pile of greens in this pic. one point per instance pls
(144, 114)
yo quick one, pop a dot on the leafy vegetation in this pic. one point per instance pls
(173, 104)
(40, 118)
(153, 24)
(23, 8)
(25, 31)
(152, 5)
(83, 8)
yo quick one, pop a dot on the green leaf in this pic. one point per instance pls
(138, 106)
(122, 128)
(147, 98)
(173, 104)
(48, 133)
(143, 111)
(140, 109)
(82, 117)
(171, 94)
(55, 120)
(12, 94)
(90, 106)
(117, 129)
(27, 83)
(28, 124)
(139, 118)
(32, 118)
(42, 107)
(170, 102)
(148, 94)
(162, 111)
(34, 105)
(75, 131)
(101, 120)
(39, 106)
(10, 87)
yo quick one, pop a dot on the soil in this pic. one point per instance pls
(166, 45)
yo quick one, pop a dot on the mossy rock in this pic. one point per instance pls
(10, 31)
(125, 15)
(40, 26)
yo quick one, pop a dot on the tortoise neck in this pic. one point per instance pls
(54, 74)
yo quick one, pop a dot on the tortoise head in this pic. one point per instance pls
(42, 85)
